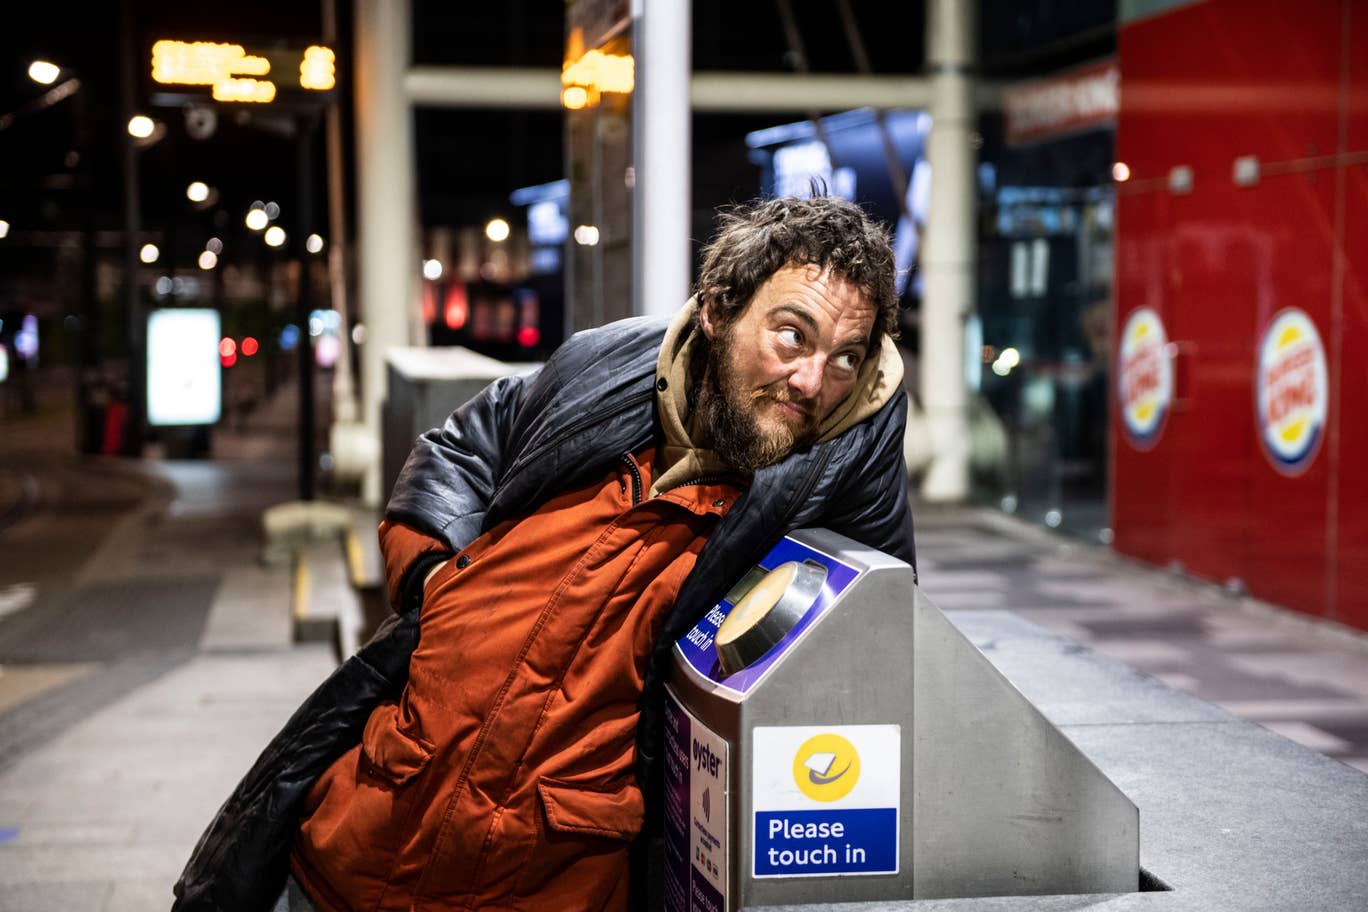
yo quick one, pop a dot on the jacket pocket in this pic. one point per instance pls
(617, 814)
(391, 753)
(581, 847)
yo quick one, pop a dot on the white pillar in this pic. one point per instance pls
(949, 255)
(387, 208)
(661, 128)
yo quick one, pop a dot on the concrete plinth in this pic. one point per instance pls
(1232, 816)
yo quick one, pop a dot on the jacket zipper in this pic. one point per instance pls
(636, 478)
(574, 428)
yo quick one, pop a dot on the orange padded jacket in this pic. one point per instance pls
(504, 776)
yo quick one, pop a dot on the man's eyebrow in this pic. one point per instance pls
(801, 314)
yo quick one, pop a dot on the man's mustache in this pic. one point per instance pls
(779, 392)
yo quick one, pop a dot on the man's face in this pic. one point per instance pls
(790, 358)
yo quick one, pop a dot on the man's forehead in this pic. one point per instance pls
(811, 288)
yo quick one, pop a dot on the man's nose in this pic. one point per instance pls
(806, 380)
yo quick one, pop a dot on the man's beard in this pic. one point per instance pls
(732, 413)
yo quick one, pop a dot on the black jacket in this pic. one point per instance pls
(520, 442)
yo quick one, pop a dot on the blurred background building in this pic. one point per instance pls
(1130, 304)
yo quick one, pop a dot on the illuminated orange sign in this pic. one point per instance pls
(587, 74)
(234, 74)
(318, 70)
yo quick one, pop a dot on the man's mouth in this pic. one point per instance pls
(794, 412)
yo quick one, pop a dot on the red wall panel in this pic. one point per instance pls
(1292, 217)
(1202, 85)
(1213, 280)
(1205, 83)
(1349, 561)
(1144, 498)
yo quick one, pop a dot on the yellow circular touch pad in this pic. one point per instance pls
(766, 613)
(752, 609)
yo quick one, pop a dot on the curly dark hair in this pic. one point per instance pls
(756, 239)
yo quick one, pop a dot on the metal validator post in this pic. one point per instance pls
(831, 737)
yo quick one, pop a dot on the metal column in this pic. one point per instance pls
(948, 258)
(387, 209)
(662, 135)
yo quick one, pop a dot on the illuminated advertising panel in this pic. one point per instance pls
(184, 379)
(235, 73)
(1082, 99)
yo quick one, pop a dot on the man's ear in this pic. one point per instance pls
(705, 320)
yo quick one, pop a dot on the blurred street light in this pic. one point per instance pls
(587, 235)
(313, 244)
(256, 219)
(275, 235)
(42, 71)
(432, 269)
(208, 260)
(214, 246)
(497, 230)
(141, 126)
(197, 192)
(4, 228)
(272, 211)
(149, 253)
(574, 97)
(1121, 172)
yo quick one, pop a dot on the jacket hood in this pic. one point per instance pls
(684, 460)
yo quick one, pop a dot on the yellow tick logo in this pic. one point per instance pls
(826, 767)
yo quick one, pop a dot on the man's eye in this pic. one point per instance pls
(790, 336)
(847, 361)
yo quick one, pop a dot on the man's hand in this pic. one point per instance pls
(433, 572)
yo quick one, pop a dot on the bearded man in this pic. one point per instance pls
(496, 745)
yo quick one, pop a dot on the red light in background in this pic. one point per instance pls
(457, 307)
(227, 348)
(228, 360)
(529, 315)
(249, 347)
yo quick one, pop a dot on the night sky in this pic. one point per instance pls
(468, 161)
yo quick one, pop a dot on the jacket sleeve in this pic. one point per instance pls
(408, 555)
(241, 861)
(871, 504)
(439, 501)
(437, 507)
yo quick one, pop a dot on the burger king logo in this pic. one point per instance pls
(1292, 391)
(1145, 377)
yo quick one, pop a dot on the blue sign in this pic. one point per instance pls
(695, 814)
(805, 843)
(826, 800)
(696, 646)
